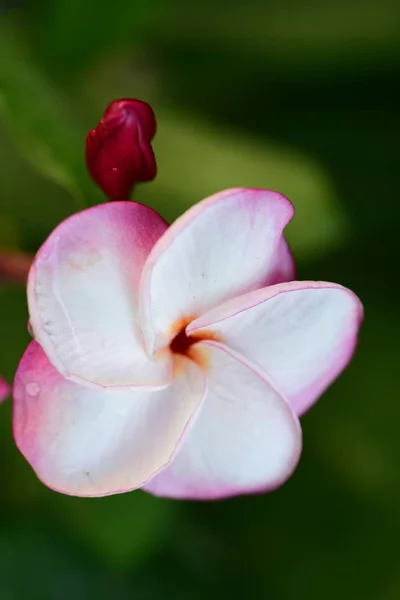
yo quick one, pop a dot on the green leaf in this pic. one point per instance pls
(53, 568)
(292, 35)
(9, 233)
(39, 121)
(121, 529)
(69, 34)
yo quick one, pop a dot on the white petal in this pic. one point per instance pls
(92, 442)
(82, 295)
(302, 334)
(246, 438)
(227, 245)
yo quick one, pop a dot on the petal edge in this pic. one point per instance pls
(246, 439)
(91, 442)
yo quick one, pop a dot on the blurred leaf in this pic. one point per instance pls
(31, 205)
(39, 122)
(122, 529)
(71, 33)
(292, 35)
(35, 565)
(196, 160)
(9, 233)
(360, 422)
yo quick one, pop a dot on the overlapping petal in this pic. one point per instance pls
(301, 334)
(227, 245)
(83, 296)
(90, 441)
(245, 439)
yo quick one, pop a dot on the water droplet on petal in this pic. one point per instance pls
(32, 389)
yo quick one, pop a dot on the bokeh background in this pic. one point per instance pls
(301, 96)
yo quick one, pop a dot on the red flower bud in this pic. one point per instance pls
(118, 151)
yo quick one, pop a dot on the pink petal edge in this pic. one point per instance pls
(72, 252)
(160, 484)
(55, 431)
(188, 261)
(302, 402)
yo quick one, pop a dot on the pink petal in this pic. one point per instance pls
(246, 438)
(89, 441)
(301, 334)
(4, 389)
(82, 294)
(226, 245)
(283, 267)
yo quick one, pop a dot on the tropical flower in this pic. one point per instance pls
(178, 358)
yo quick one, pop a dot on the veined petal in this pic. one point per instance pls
(246, 438)
(301, 334)
(90, 441)
(83, 295)
(227, 245)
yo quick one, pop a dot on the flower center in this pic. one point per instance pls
(186, 345)
(182, 342)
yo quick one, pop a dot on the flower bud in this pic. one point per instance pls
(118, 151)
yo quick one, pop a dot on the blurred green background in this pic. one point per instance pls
(294, 95)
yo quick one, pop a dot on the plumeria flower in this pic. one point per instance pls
(179, 358)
